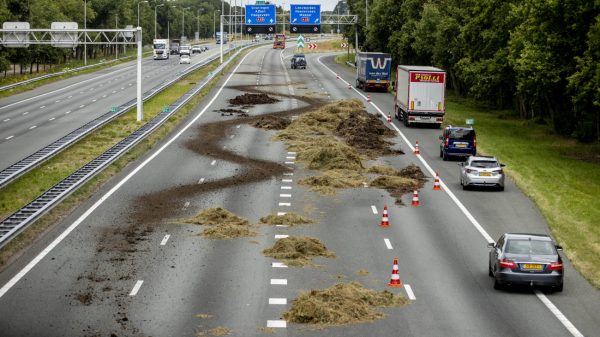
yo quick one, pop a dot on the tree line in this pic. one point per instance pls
(538, 57)
(104, 14)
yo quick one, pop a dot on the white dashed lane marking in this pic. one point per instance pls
(165, 239)
(53, 118)
(409, 292)
(6, 120)
(279, 281)
(68, 112)
(213, 162)
(278, 301)
(374, 209)
(281, 236)
(285, 195)
(278, 265)
(276, 324)
(32, 127)
(136, 288)
(43, 106)
(288, 204)
(388, 244)
(286, 187)
(201, 181)
(9, 137)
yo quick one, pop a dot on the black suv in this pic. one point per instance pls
(458, 141)
(298, 61)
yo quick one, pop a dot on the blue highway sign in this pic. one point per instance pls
(260, 15)
(305, 14)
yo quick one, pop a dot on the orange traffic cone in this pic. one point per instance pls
(368, 97)
(384, 219)
(417, 151)
(436, 182)
(395, 279)
(389, 118)
(415, 199)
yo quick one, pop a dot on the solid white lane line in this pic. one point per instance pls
(15, 279)
(9, 137)
(277, 301)
(165, 239)
(409, 292)
(201, 181)
(285, 204)
(388, 244)
(279, 281)
(374, 209)
(286, 187)
(32, 127)
(278, 265)
(136, 288)
(286, 180)
(559, 315)
(281, 236)
(562, 318)
(276, 324)
(213, 162)
(281, 213)
(285, 195)
(53, 118)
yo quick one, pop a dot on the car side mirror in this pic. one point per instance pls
(559, 248)
(502, 165)
(491, 245)
(461, 164)
(441, 137)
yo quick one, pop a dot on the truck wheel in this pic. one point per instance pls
(405, 119)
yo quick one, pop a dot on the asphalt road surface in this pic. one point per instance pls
(124, 263)
(35, 118)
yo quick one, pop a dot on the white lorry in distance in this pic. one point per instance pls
(420, 95)
(161, 49)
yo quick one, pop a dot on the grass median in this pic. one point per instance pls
(561, 175)
(28, 187)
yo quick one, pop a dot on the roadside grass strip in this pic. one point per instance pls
(29, 186)
(561, 175)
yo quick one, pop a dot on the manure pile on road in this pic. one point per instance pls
(340, 304)
(272, 123)
(336, 139)
(251, 99)
(290, 219)
(222, 224)
(298, 251)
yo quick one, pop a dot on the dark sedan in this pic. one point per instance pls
(526, 259)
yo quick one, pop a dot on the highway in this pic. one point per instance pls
(125, 264)
(35, 118)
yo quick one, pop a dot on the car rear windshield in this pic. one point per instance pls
(462, 134)
(531, 247)
(484, 164)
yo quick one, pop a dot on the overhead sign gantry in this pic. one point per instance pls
(305, 18)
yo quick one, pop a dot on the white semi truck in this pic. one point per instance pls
(161, 49)
(420, 95)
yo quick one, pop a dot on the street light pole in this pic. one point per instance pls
(221, 24)
(155, 19)
(215, 23)
(85, 27)
(183, 23)
(139, 11)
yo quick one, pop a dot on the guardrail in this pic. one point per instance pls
(18, 221)
(28, 163)
(351, 64)
(43, 77)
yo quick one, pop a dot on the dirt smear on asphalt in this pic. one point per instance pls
(298, 251)
(156, 207)
(341, 304)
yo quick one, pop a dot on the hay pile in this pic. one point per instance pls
(289, 219)
(398, 183)
(298, 251)
(272, 123)
(342, 303)
(223, 224)
(330, 180)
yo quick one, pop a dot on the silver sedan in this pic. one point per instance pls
(482, 171)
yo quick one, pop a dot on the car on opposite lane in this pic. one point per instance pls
(185, 58)
(484, 171)
(458, 141)
(526, 259)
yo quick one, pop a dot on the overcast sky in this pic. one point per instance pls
(326, 5)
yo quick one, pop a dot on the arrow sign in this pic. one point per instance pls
(317, 21)
(300, 44)
(249, 21)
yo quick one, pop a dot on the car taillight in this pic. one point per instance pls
(558, 266)
(446, 142)
(474, 142)
(498, 172)
(470, 171)
(504, 263)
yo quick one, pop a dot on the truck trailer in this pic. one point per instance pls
(373, 71)
(175, 43)
(279, 41)
(420, 95)
(160, 49)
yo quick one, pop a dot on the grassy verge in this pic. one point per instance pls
(5, 93)
(559, 174)
(32, 184)
(343, 58)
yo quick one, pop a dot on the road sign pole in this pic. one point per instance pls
(140, 105)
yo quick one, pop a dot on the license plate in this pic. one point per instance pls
(485, 174)
(533, 266)
(424, 118)
(462, 146)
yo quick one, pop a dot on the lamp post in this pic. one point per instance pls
(85, 27)
(139, 11)
(183, 23)
(215, 23)
(155, 19)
